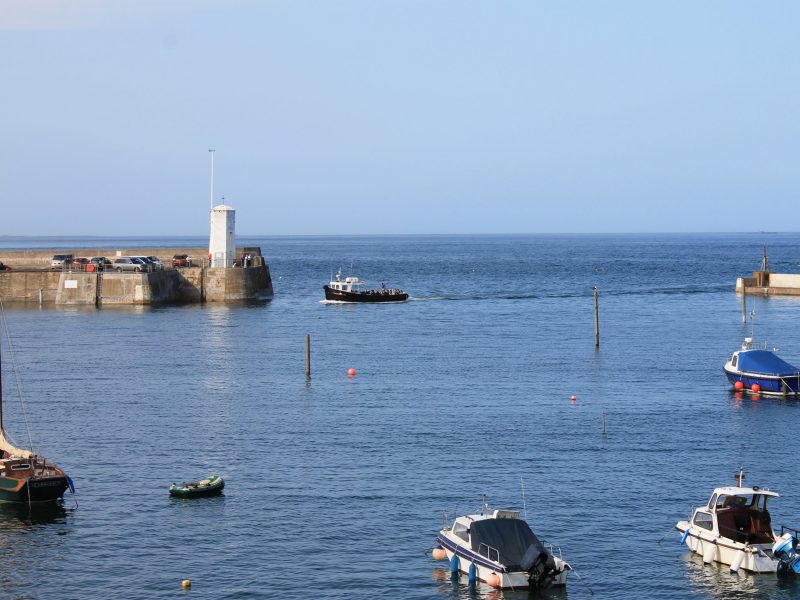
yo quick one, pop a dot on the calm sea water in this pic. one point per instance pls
(337, 487)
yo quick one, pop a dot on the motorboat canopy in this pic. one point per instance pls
(503, 539)
(724, 497)
(764, 362)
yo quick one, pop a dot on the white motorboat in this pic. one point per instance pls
(735, 528)
(500, 549)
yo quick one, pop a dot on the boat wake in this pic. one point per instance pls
(660, 291)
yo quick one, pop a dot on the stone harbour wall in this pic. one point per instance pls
(170, 286)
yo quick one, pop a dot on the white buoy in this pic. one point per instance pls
(709, 548)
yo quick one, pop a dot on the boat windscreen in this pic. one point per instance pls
(765, 363)
(510, 537)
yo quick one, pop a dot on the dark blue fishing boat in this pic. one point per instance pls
(755, 365)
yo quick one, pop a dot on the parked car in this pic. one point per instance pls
(146, 261)
(181, 260)
(157, 264)
(101, 263)
(61, 260)
(127, 263)
(79, 263)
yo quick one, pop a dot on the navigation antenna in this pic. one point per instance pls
(212, 177)
(524, 508)
(484, 505)
(739, 476)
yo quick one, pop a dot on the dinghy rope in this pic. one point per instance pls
(591, 591)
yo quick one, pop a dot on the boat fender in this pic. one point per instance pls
(737, 561)
(709, 549)
(473, 574)
(71, 485)
(493, 580)
(439, 554)
(454, 565)
(685, 534)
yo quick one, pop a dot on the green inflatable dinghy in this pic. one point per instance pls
(208, 486)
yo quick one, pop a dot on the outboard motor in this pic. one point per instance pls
(785, 550)
(541, 566)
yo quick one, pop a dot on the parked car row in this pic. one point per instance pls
(135, 264)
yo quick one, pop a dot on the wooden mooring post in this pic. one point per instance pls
(308, 356)
(596, 320)
(744, 306)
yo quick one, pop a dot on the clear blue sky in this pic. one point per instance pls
(399, 116)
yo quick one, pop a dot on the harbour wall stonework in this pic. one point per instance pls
(31, 280)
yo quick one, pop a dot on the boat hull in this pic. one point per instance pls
(722, 550)
(769, 384)
(32, 489)
(363, 297)
(485, 568)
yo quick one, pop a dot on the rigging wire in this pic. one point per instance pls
(17, 377)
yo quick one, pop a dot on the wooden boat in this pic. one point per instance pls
(351, 289)
(213, 484)
(25, 476)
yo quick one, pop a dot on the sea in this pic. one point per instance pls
(336, 486)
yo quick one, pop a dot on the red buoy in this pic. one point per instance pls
(572, 399)
(351, 372)
(738, 385)
(756, 388)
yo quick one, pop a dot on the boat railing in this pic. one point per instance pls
(792, 530)
(552, 549)
(749, 344)
(489, 552)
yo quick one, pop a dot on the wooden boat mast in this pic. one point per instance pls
(1, 386)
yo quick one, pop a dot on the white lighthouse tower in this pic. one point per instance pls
(222, 243)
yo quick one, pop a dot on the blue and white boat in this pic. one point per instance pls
(755, 365)
(500, 549)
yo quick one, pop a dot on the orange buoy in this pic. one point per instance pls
(756, 388)
(351, 372)
(573, 399)
(439, 553)
(738, 385)
(493, 580)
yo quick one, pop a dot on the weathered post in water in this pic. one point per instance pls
(744, 306)
(308, 356)
(596, 320)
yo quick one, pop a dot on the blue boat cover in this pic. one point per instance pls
(510, 537)
(764, 362)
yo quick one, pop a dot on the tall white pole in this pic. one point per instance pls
(212, 178)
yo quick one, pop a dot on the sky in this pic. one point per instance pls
(398, 116)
